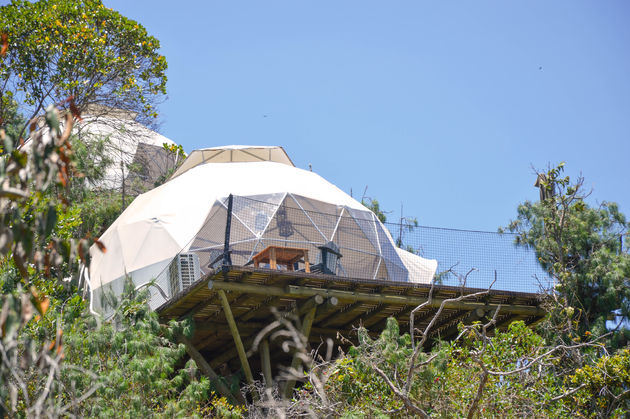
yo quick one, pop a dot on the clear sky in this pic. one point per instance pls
(441, 106)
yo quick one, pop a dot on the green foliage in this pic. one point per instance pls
(56, 358)
(10, 118)
(525, 378)
(606, 387)
(581, 248)
(446, 386)
(32, 255)
(175, 149)
(354, 380)
(516, 395)
(138, 364)
(177, 155)
(63, 48)
(374, 206)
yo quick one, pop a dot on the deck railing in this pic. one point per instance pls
(238, 228)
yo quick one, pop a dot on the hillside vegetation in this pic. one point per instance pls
(57, 358)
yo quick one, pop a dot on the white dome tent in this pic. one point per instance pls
(273, 204)
(127, 142)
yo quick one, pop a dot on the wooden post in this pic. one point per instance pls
(298, 311)
(272, 259)
(237, 338)
(206, 369)
(307, 265)
(265, 360)
(309, 304)
(307, 324)
(327, 309)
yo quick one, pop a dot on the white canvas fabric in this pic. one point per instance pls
(274, 204)
(123, 136)
(234, 154)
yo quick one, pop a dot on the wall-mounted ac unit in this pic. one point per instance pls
(183, 272)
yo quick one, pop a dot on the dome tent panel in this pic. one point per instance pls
(233, 154)
(292, 224)
(421, 270)
(360, 255)
(357, 264)
(104, 297)
(208, 242)
(349, 234)
(396, 268)
(100, 271)
(324, 215)
(382, 271)
(369, 225)
(137, 237)
(257, 211)
(392, 267)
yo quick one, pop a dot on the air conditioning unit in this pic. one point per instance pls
(183, 272)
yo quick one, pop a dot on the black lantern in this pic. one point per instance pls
(285, 228)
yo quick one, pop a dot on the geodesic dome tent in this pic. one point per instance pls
(127, 142)
(176, 233)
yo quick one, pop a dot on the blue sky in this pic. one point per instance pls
(441, 106)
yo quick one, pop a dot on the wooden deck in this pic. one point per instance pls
(235, 304)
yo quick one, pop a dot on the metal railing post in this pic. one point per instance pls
(227, 259)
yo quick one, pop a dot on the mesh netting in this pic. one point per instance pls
(517, 267)
(318, 237)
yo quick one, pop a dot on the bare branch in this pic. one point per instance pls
(402, 396)
(568, 393)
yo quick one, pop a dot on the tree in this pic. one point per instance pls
(32, 252)
(57, 49)
(582, 249)
(484, 372)
(10, 119)
(56, 358)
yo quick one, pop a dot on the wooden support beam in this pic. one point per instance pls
(465, 318)
(377, 312)
(207, 370)
(172, 304)
(230, 354)
(207, 340)
(332, 333)
(233, 298)
(307, 324)
(505, 322)
(212, 326)
(197, 307)
(309, 304)
(264, 308)
(293, 291)
(265, 361)
(345, 309)
(401, 315)
(237, 338)
(326, 309)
